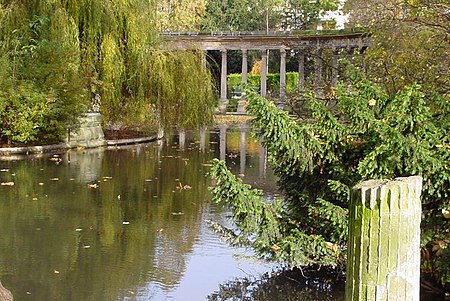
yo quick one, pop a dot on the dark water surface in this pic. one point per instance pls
(127, 223)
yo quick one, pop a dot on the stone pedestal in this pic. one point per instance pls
(384, 241)
(90, 133)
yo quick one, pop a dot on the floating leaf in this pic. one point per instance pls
(7, 184)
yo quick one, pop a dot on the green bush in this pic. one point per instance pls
(273, 82)
(41, 91)
(368, 135)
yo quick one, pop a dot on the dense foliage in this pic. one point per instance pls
(58, 55)
(367, 135)
(411, 39)
(251, 15)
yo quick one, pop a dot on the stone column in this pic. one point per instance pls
(204, 55)
(384, 241)
(301, 70)
(264, 73)
(223, 141)
(334, 67)
(318, 79)
(223, 82)
(282, 76)
(244, 66)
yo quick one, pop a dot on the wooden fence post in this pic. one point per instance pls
(384, 241)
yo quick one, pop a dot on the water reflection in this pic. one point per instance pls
(126, 223)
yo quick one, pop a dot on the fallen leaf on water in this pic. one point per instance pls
(7, 184)
(446, 213)
(275, 248)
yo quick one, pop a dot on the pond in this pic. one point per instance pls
(129, 223)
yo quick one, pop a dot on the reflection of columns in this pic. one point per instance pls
(282, 75)
(301, 70)
(182, 138)
(203, 139)
(160, 134)
(318, 80)
(223, 141)
(244, 66)
(264, 73)
(262, 159)
(159, 151)
(243, 151)
(223, 78)
(334, 67)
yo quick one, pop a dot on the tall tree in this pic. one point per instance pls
(60, 54)
(368, 135)
(411, 39)
(234, 15)
(248, 15)
(179, 15)
(301, 14)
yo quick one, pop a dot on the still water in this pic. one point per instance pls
(126, 223)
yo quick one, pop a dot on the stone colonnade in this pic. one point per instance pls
(301, 55)
(304, 44)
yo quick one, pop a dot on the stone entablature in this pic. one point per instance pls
(264, 41)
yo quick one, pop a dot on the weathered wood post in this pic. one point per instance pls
(384, 241)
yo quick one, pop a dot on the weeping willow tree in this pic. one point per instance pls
(58, 55)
